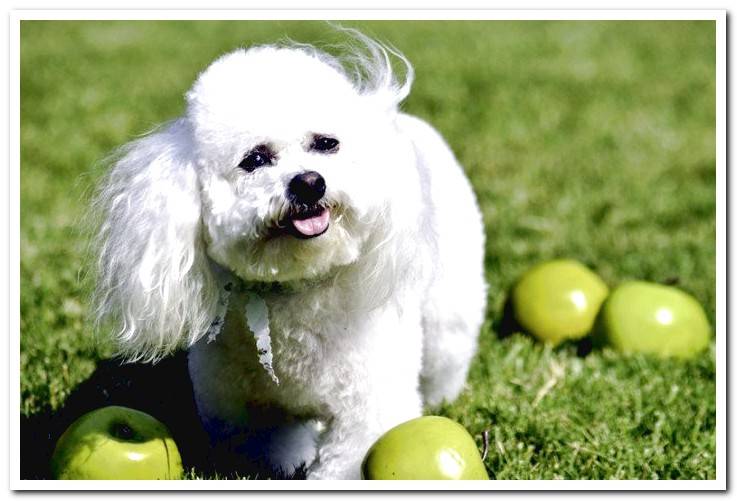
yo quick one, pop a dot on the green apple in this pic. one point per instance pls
(644, 317)
(425, 448)
(558, 300)
(116, 443)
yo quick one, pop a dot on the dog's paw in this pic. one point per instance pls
(292, 448)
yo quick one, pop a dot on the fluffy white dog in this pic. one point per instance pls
(318, 251)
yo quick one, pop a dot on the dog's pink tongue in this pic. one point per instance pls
(312, 225)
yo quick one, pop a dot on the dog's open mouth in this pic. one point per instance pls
(309, 223)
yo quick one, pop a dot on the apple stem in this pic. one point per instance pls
(485, 452)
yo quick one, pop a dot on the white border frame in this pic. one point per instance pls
(370, 14)
(719, 16)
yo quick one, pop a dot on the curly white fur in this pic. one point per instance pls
(368, 321)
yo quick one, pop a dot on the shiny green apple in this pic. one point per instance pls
(425, 448)
(558, 300)
(116, 443)
(644, 317)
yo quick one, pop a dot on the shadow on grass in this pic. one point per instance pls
(163, 390)
(506, 324)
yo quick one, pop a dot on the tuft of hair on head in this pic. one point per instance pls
(365, 62)
(369, 65)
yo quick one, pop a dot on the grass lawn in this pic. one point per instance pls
(588, 140)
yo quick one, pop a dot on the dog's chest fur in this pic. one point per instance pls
(317, 344)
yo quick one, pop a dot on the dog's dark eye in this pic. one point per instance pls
(255, 159)
(324, 144)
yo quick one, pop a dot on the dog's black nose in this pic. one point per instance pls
(307, 188)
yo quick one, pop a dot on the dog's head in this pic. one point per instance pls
(286, 166)
(294, 161)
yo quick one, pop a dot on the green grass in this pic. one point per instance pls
(588, 140)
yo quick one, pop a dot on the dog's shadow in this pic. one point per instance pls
(163, 390)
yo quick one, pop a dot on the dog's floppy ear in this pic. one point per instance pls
(154, 281)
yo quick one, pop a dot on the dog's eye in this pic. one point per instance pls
(255, 159)
(324, 144)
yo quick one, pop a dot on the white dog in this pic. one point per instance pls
(318, 251)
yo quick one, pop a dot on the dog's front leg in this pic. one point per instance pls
(373, 397)
(351, 433)
(341, 451)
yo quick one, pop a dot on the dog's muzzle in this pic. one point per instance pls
(309, 219)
